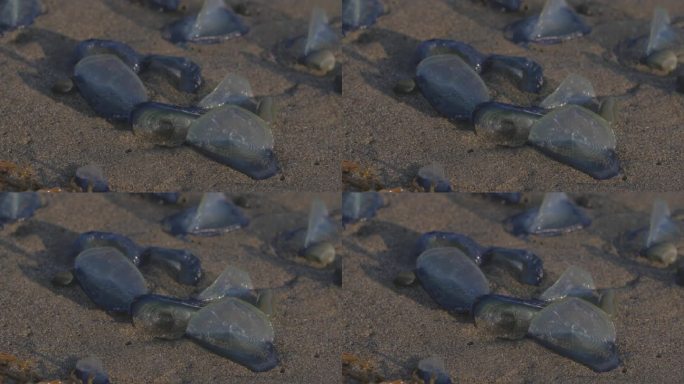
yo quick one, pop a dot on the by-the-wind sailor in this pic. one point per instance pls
(662, 229)
(451, 278)
(556, 23)
(162, 317)
(321, 227)
(463, 50)
(432, 178)
(578, 330)
(320, 36)
(574, 282)
(186, 73)
(214, 22)
(526, 72)
(90, 178)
(360, 206)
(186, 266)
(505, 317)
(109, 86)
(504, 124)
(575, 89)
(451, 86)
(528, 267)
(124, 52)
(18, 13)
(440, 239)
(163, 124)
(233, 89)
(431, 370)
(109, 278)
(238, 138)
(232, 282)
(557, 214)
(96, 239)
(237, 330)
(215, 215)
(90, 370)
(17, 206)
(360, 14)
(663, 35)
(580, 138)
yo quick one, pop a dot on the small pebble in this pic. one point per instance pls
(405, 279)
(63, 279)
(665, 61)
(323, 60)
(322, 254)
(405, 87)
(63, 86)
(665, 253)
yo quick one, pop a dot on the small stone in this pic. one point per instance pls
(405, 279)
(63, 279)
(322, 254)
(665, 253)
(665, 61)
(63, 86)
(405, 87)
(323, 60)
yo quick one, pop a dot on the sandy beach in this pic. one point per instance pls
(394, 135)
(393, 327)
(54, 134)
(53, 326)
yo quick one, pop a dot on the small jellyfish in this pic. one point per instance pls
(123, 51)
(574, 282)
(186, 73)
(439, 239)
(232, 282)
(525, 265)
(215, 215)
(577, 329)
(579, 138)
(451, 86)
(162, 124)
(18, 13)
(556, 23)
(90, 178)
(467, 52)
(360, 14)
(238, 138)
(90, 370)
(360, 206)
(526, 72)
(504, 124)
(109, 86)
(214, 23)
(184, 264)
(234, 90)
(244, 334)
(96, 239)
(663, 36)
(17, 206)
(432, 178)
(575, 89)
(431, 370)
(109, 278)
(451, 278)
(505, 317)
(556, 215)
(162, 317)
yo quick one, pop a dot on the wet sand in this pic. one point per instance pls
(55, 134)
(55, 326)
(395, 135)
(393, 328)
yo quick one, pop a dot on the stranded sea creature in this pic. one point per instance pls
(233, 89)
(525, 265)
(17, 206)
(90, 178)
(232, 282)
(185, 73)
(505, 317)
(184, 264)
(214, 23)
(162, 317)
(360, 206)
(466, 52)
(441, 239)
(215, 215)
(556, 23)
(432, 178)
(504, 124)
(124, 52)
(574, 89)
(163, 124)
(526, 72)
(96, 239)
(556, 215)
